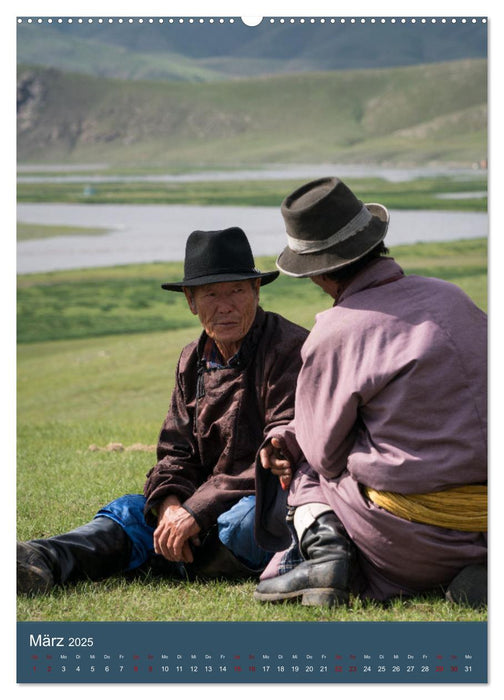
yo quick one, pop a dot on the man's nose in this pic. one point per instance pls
(224, 304)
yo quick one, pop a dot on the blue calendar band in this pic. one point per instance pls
(252, 652)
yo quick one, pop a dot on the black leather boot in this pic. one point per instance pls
(94, 551)
(469, 587)
(326, 576)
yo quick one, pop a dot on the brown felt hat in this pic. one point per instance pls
(328, 228)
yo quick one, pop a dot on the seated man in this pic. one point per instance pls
(233, 385)
(389, 438)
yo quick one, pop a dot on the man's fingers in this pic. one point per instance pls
(285, 481)
(180, 550)
(264, 456)
(280, 466)
(163, 543)
(159, 548)
(276, 462)
(171, 537)
(187, 555)
(174, 546)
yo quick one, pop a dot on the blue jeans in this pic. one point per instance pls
(235, 528)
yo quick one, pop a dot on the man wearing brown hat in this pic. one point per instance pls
(388, 448)
(233, 385)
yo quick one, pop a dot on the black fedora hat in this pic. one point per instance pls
(218, 256)
(328, 228)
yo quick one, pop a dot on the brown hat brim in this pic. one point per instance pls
(339, 255)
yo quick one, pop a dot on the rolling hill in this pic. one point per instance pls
(420, 114)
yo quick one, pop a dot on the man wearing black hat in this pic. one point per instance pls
(389, 442)
(233, 385)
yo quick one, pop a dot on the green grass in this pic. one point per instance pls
(421, 193)
(82, 388)
(139, 599)
(129, 299)
(28, 232)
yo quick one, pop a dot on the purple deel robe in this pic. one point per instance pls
(392, 395)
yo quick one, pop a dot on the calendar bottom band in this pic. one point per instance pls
(251, 652)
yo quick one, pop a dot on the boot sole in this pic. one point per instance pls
(328, 597)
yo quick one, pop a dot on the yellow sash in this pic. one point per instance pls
(463, 508)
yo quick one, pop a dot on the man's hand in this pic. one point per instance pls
(176, 527)
(272, 457)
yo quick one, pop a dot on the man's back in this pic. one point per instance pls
(408, 358)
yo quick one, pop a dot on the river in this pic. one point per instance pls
(152, 233)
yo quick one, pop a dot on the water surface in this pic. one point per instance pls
(151, 233)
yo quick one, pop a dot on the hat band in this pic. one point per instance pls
(223, 272)
(298, 245)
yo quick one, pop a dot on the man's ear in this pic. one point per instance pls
(190, 300)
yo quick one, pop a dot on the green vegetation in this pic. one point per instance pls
(421, 193)
(100, 301)
(27, 232)
(156, 600)
(92, 55)
(91, 375)
(129, 299)
(422, 114)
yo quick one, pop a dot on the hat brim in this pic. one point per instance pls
(339, 255)
(265, 277)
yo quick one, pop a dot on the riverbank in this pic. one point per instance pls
(148, 233)
(428, 191)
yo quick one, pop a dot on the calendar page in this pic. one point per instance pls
(134, 131)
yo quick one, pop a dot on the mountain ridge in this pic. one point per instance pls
(201, 52)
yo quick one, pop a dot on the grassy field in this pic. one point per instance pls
(96, 358)
(128, 299)
(421, 193)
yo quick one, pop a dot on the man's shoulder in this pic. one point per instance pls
(280, 339)
(276, 322)
(189, 354)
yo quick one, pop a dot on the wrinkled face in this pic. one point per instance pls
(226, 309)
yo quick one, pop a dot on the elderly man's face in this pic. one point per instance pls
(226, 311)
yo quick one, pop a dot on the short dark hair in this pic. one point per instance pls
(345, 273)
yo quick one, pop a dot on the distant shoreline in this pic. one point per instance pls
(396, 188)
